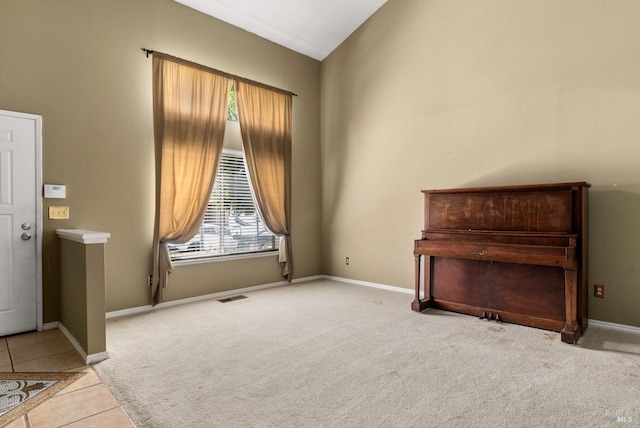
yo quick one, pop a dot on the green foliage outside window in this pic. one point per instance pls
(232, 111)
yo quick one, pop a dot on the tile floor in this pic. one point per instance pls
(84, 403)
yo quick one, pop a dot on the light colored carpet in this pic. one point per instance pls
(329, 354)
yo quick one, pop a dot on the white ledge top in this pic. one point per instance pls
(83, 236)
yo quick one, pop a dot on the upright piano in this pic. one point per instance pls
(516, 254)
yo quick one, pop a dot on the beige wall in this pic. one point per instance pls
(439, 94)
(78, 63)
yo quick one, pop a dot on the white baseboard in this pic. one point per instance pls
(127, 312)
(370, 284)
(50, 325)
(614, 326)
(213, 296)
(88, 359)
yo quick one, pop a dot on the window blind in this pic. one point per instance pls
(231, 223)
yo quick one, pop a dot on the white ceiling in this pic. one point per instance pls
(311, 27)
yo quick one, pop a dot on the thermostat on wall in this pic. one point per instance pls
(55, 191)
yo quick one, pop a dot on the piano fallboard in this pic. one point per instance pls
(545, 255)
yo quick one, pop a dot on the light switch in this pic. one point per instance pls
(58, 213)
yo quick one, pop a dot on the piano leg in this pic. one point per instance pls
(571, 331)
(419, 304)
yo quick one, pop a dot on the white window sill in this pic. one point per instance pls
(230, 257)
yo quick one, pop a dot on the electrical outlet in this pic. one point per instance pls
(598, 290)
(346, 261)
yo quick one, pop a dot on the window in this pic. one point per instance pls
(232, 111)
(231, 223)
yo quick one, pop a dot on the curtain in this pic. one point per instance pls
(189, 117)
(265, 125)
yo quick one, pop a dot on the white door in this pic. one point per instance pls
(20, 213)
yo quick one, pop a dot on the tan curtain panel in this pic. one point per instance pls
(265, 125)
(189, 117)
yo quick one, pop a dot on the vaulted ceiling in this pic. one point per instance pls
(311, 27)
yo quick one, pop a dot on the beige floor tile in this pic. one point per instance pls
(40, 350)
(55, 363)
(5, 359)
(111, 418)
(72, 407)
(89, 378)
(84, 403)
(17, 423)
(33, 337)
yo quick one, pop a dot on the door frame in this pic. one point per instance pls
(38, 192)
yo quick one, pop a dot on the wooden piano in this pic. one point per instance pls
(516, 254)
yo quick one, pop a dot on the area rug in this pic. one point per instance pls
(21, 392)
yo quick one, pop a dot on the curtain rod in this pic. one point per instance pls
(233, 76)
